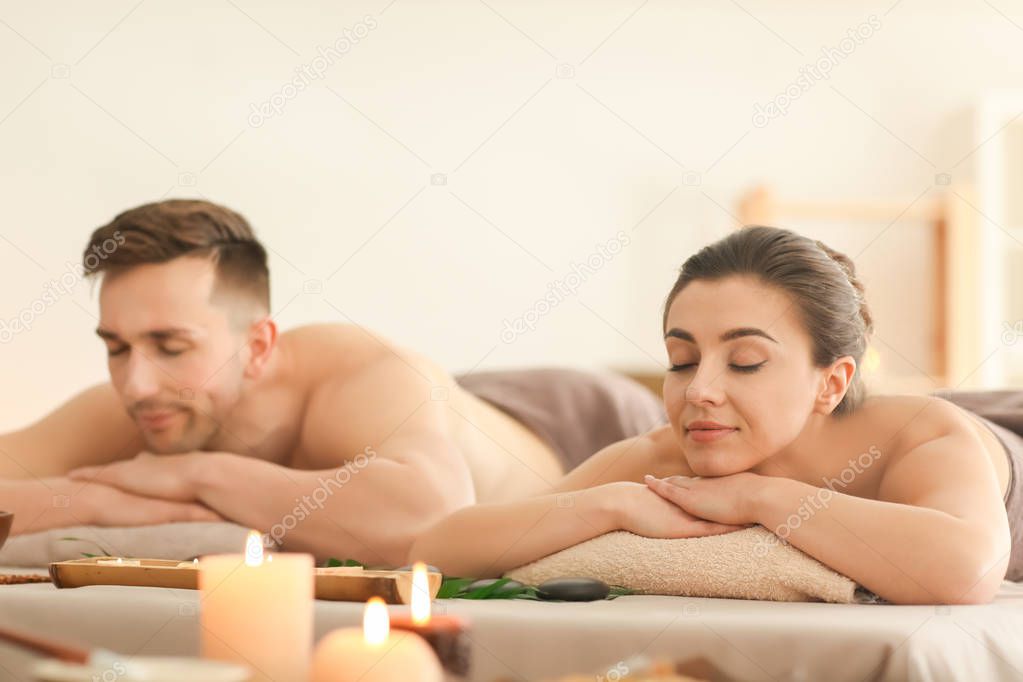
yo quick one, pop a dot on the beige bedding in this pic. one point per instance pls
(748, 640)
(165, 541)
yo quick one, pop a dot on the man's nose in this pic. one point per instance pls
(141, 378)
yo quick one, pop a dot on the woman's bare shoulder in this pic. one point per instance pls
(908, 421)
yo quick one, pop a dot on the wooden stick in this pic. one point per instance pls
(47, 647)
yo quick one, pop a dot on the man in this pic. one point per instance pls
(329, 439)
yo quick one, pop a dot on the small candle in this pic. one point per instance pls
(118, 562)
(445, 634)
(257, 612)
(373, 654)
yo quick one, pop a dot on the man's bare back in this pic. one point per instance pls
(337, 389)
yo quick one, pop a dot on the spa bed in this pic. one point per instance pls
(523, 640)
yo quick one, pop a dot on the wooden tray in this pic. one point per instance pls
(334, 584)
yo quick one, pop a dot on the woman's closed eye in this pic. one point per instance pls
(745, 369)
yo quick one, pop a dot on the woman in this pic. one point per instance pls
(769, 424)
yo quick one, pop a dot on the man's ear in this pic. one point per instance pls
(835, 380)
(261, 342)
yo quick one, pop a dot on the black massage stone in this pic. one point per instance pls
(573, 589)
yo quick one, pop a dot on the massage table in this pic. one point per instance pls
(527, 640)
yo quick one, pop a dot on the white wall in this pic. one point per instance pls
(108, 105)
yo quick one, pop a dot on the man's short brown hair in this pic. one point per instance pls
(165, 230)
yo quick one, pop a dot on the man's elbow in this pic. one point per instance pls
(418, 513)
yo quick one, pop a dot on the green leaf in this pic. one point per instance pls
(487, 590)
(451, 588)
(458, 588)
(98, 546)
(334, 563)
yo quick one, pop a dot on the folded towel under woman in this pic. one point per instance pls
(752, 563)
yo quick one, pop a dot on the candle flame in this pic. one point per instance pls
(376, 623)
(420, 594)
(254, 549)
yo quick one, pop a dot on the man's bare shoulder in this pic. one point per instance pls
(331, 346)
(332, 354)
(359, 386)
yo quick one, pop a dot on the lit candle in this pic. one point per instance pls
(374, 654)
(445, 634)
(258, 612)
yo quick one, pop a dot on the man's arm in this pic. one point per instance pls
(58, 502)
(405, 470)
(371, 514)
(89, 429)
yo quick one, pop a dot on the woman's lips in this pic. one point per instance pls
(709, 435)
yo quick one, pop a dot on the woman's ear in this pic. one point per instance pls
(835, 380)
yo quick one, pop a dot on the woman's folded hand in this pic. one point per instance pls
(640, 510)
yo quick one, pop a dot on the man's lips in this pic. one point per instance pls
(155, 420)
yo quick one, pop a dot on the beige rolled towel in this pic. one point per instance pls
(752, 563)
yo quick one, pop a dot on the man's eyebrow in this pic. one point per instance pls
(729, 335)
(158, 334)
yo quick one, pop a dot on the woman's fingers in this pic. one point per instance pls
(668, 491)
(673, 481)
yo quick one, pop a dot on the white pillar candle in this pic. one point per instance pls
(258, 612)
(374, 654)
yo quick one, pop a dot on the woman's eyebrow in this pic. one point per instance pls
(736, 333)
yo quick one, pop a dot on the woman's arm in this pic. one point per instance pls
(488, 539)
(903, 553)
(937, 534)
(599, 496)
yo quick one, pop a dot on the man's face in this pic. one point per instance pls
(174, 357)
(740, 358)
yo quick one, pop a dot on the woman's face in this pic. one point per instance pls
(739, 357)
